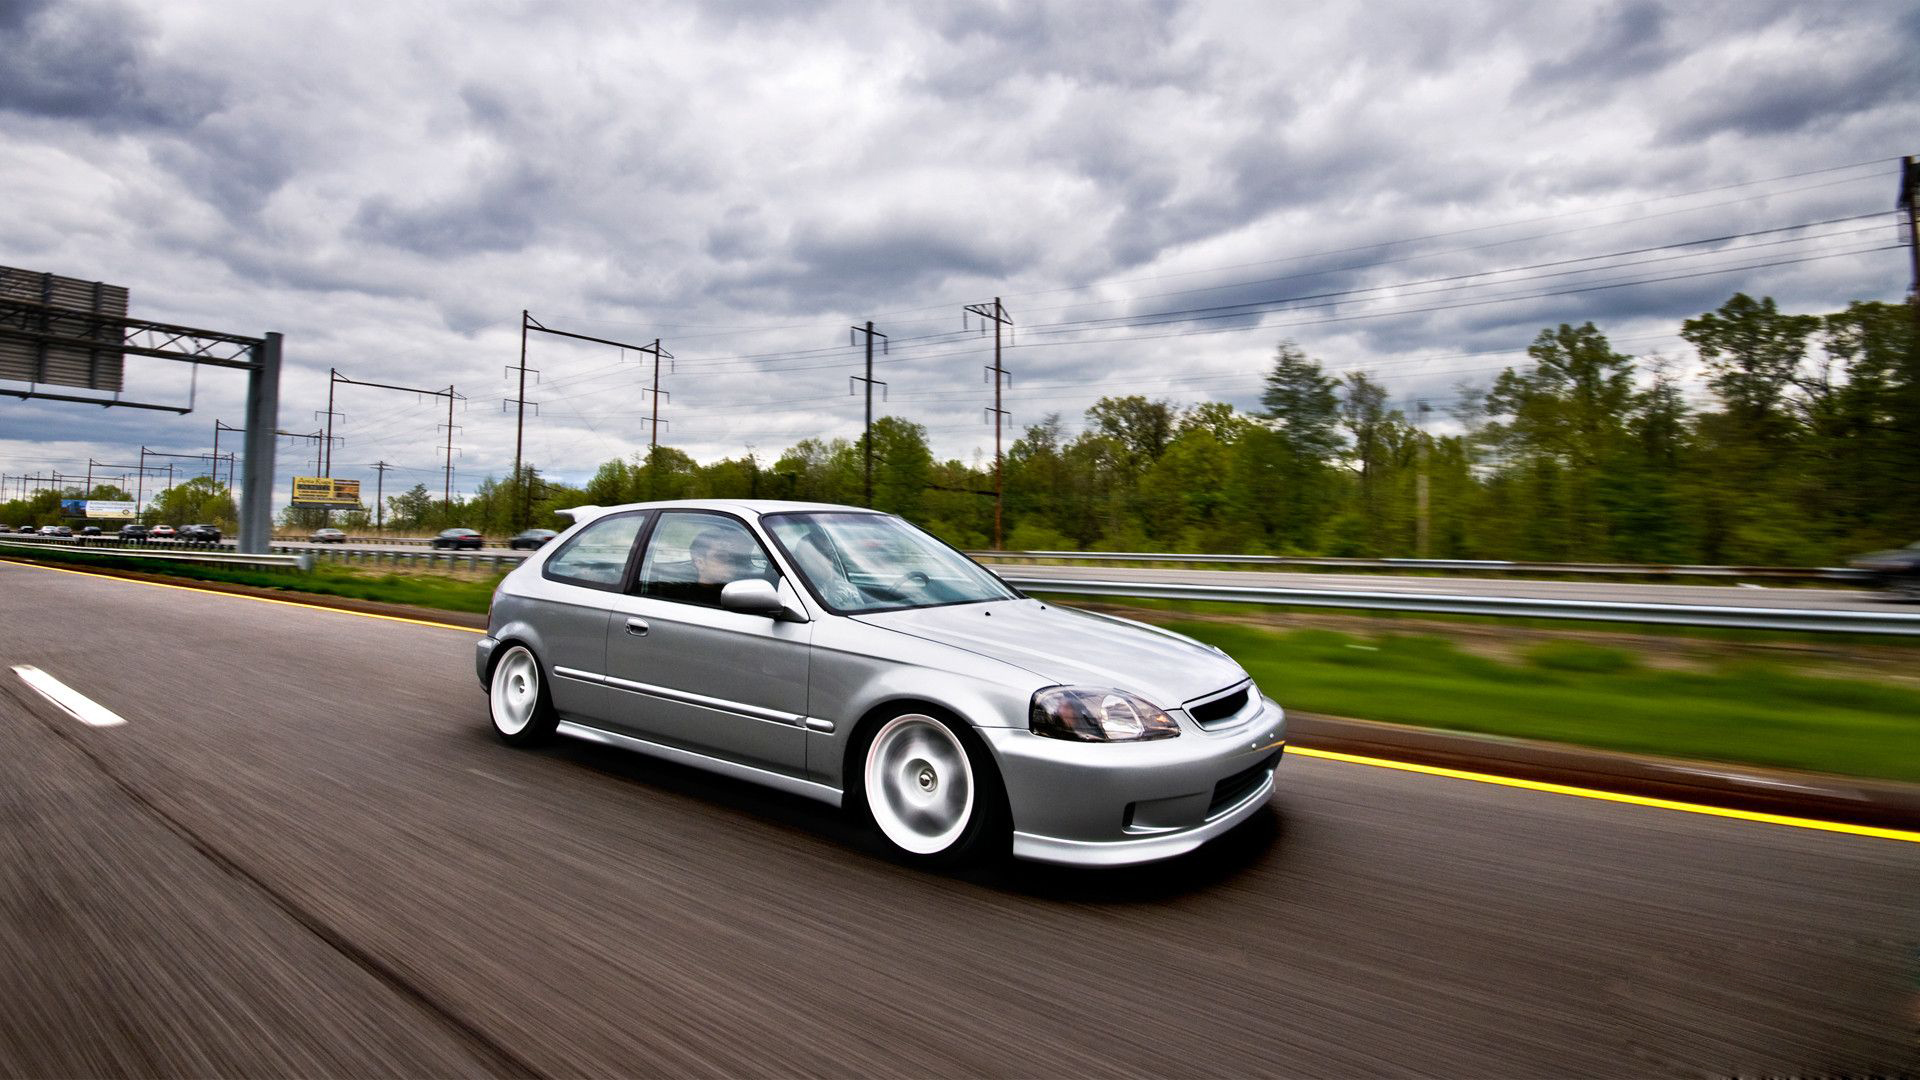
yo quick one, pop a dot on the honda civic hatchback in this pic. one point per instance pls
(848, 656)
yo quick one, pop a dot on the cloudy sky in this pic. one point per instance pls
(1159, 192)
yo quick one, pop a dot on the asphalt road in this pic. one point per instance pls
(305, 854)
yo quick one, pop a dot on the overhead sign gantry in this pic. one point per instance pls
(71, 333)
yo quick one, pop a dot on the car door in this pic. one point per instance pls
(686, 672)
(570, 605)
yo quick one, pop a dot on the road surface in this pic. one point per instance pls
(304, 853)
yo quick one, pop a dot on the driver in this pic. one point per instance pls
(719, 556)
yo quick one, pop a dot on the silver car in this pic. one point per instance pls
(846, 655)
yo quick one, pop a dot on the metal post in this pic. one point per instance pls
(655, 443)
(448, 499)
(140, 488)
(519, 428)
(328, 469)
(999, 421)
(263, 420)
(869, 439)
(379, 491)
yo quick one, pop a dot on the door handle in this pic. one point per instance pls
(637, 627)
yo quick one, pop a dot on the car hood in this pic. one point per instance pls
(1074, 647)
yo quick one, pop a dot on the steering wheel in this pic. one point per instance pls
(916, 578)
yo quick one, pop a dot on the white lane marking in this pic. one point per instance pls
(76, 704)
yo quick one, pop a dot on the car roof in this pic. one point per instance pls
(754, 507)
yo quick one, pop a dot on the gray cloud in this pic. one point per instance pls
(1627, 42)
(500, 211)
(94, 64)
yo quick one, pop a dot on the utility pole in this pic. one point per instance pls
(1910, 202)
(520, 422)
(868, 379)
(379, 500)
(997, 315)
(447, 500)
(333, 379)
(657, 352)
(1420, 483)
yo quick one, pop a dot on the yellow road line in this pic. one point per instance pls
(1611, 796)
(245, 596)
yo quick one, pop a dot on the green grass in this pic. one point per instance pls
(1734, 710)
(446, 593)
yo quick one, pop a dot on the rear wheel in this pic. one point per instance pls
(517, 699)
(931, 791)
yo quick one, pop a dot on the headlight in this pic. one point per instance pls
(1090, 714)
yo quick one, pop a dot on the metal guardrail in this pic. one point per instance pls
(1747, 618)
(171, 554)
(353, 556)
(1489, 566)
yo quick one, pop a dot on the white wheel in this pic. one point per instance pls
(519, 708)
(920, 784)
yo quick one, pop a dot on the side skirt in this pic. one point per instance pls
(793, 784)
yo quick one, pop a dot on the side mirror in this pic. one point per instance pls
(751, 595)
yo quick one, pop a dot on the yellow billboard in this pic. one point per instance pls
(326, 492)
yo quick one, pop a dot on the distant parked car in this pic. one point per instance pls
(56, 530)
(532, 538)
(133, 534)
(456, 539)
(1897, 571)
(6, 528)
(161, 532)
(90, 530)
(200, 534)
(327, 536)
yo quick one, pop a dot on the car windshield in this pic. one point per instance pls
(874, 562)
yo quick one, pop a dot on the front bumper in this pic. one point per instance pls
(1113, 804)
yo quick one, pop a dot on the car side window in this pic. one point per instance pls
(597, 555)
(691, 556)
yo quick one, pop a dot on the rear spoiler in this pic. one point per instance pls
(581, 514)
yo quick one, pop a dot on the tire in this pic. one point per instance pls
(517, 699)
(929, 789)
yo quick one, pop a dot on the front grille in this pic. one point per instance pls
(1220, 709)
(1234, 788)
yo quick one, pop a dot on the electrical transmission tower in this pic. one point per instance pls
(995, 313)
(869, 380)
(527, 323)
(449, 393)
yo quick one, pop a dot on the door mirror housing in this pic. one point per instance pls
(757, 596)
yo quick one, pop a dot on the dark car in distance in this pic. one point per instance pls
(1897, 571)
(327, 536)
(198, 534)
(133, 533)
(90, 530)
(531, 539)
(455, 539)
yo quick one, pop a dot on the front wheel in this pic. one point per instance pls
(931, 791)
(517, 699)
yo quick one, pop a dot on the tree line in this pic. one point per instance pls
(1807, 450)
